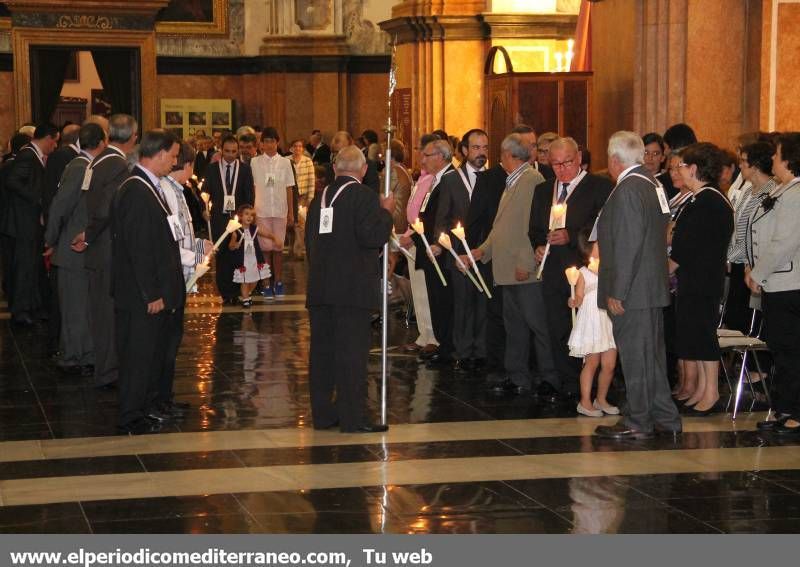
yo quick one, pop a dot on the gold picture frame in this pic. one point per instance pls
(216, 24)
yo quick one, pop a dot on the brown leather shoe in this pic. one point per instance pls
(411, 347)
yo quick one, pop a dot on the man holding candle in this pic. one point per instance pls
(436, 159)
(582, 195)
(514, 270)
(469, 304)
(633, 286)
(346, 226)
(148, 287)
(230, 184)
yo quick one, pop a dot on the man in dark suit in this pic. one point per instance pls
(148, 286)
(8, 218)
(633, 286)
(436, 159)
(67, 218)
(319, 151)
(204, 155)
(230, 177)
(489, 187)
(106, 173)
(343, 291)
(469, 304)
(584, 195)
(25, 187)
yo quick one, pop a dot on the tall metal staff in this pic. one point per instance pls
(387, 172)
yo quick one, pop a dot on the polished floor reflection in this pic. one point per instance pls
(456, 459)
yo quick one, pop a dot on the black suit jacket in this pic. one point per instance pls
(56, 164)
(201, 163)
(321, 154)
(486, 196)
(108, 173)
(146, 261)
(24, 186)
(428, 218)
(8, 220)
(546, 171)
(244, 192)
(343, 265)
(452, 208)
(583, 206)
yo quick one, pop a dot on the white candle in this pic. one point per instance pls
(572, 277)
(558, 220)
(461, 235)
(594, 264)
(444, 240)
(199, 271)
(419, 228)
(233, 226)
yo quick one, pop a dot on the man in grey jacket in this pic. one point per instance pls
(68, 217)
(514, 269)
(633, 287)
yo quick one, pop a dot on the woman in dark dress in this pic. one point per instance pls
(700, 241)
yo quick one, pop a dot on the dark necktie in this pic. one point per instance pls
(228, 180)
(563, 195)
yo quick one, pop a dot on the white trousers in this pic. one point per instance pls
(422, 308)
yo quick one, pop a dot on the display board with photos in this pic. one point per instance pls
(185, 116)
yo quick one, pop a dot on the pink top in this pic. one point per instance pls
(415, 202)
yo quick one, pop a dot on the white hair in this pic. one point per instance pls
(516, 146)
(627, 147)
(349, 159)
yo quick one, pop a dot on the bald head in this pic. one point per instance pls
(101, 121)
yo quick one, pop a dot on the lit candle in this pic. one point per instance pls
(233, 226)
(572, 277)
(207, 200)
(444, 240)
(594, 264)
(460, 234)
(419, 228)
(199, 271)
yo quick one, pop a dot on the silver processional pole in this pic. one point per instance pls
(387, 173)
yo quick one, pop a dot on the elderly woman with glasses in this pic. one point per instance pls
(774, 272)
(698, 256)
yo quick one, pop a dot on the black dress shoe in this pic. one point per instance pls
(323, 427)
(703, 413)
(87, 370)
(368, 428)
(171, 411)
(462, 366)
(508, 386)
(620, 431)
(70, 370)
(139, 427)
(158, 415)
(438, 360)
(23, 321)
(771, 424)
(546, 392)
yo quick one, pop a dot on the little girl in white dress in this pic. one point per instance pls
(249, 260)
(592, 337)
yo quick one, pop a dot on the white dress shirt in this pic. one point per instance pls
(272, 175)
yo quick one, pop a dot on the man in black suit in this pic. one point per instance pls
(584, 195)
(469, 304)
(25, 187)
(108, 170)
(8, 218)
(436, 159)
(319, 151)
(205, 152)
(489, 187)
(346, 227)
(227, 181)
(147, 284)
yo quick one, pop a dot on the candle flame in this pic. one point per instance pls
(444, 240)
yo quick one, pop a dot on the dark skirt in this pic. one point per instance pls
(697, 318)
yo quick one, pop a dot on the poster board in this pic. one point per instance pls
(184, 116)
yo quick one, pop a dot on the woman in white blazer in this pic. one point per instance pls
(774, 272)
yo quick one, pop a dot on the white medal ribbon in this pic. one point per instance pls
(326, 213)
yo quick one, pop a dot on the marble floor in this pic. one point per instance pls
(457, 459)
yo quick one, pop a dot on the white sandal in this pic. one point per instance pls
(588, 412)
(609, 410)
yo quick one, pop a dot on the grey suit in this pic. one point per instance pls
(631, 235)
(509, 249)
(67, 218)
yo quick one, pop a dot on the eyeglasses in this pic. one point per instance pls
(681, 164)
(544, 151)
(653, 154)
(560, 164)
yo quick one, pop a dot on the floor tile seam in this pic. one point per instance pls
(30, 382)
(665, 503)
(86, 518)
(298, 438)
(289, 474)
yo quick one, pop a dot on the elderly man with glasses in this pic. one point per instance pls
(584, 194)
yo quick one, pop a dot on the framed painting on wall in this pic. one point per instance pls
(193, 17)
(188, 115)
